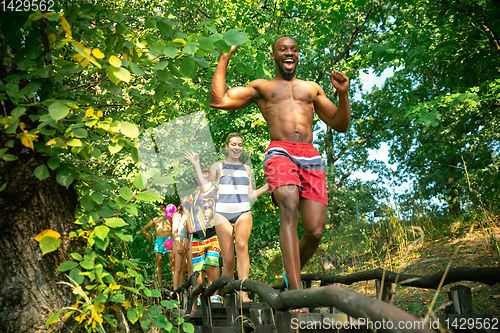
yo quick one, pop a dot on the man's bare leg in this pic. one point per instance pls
(287, 198)
(313, 220)
(158, 267)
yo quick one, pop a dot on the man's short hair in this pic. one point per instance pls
(274, 44)
(205, 169)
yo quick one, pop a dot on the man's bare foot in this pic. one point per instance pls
(303, 310)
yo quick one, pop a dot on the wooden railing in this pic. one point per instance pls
(329, 294)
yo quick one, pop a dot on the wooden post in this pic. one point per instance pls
(206, 314)
(386, 290)
(461, 297)
(232, 309)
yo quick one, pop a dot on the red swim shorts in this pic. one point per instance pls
(289, 163)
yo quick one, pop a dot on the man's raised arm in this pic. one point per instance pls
(336, 118)
(232, 99)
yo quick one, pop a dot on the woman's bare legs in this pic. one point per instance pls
(225, 233)
(242, 230)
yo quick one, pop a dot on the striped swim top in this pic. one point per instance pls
(233, 189)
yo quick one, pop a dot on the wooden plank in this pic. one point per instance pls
(284, 321)
(231, 309)
(261, 317)
(265, 329)
(206, 314)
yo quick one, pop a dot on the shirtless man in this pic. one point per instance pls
(163, 232)
(294, 169)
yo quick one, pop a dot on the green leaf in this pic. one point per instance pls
(235, 37)
(162, 75)
(49, 244)
(12, 90)
(165, 28)
(132, 315)
(206, 44)
(80, 133)
(58, 110)
(87, 203)
(130, 130)
(136, 69)
(155, 293)
(53, 319)
(140, 181)
(132, 290)
(187, 66)
(111, 75)
(76, 256)
(53, 163)
(19, 111)
(101, 232)
(66, 266)
(97, 197)
(188, 327)
(114, 148)
(160, 91)
(170, 51)
(64, 176)
(87, 264)
(161, 65)
(202, 62)
(161, 322)
(9, 157)
(190, 48)
(125, 238)
(147, 196)
(41, 172)
(122, 74)
(222, 46)
(126, 193)
(96, 153)
(118, 17)
(74, 143)
(75, 275)
(115, 222)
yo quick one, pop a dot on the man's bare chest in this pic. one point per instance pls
(292, 92)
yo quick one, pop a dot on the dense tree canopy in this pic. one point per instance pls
(83, 82)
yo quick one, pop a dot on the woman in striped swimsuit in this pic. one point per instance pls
(233, 219)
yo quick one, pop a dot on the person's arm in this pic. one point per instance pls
(147, 226)
(214, 173)
(231, 99)
(176, 221)
(254, 194)
(336, 118)
(195, 161)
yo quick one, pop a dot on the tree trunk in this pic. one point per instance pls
(29, 293)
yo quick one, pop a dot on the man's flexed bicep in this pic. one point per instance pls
(233, 98)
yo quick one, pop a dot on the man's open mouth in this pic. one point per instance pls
(288, 64)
